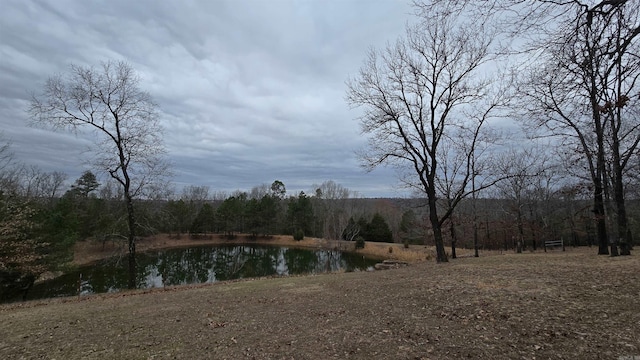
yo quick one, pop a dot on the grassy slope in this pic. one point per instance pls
(535, 305)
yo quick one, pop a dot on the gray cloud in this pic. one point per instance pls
(249, 91)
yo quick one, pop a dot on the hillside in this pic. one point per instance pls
(571, 305)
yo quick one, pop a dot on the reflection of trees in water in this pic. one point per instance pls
(104, 281)
(183, 267)
(299, 261)
(199, 265)
(331, 260)
(229, 261)
(247, 261)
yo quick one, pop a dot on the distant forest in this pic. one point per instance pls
(60, 216)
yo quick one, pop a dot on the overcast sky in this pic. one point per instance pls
(249, 91)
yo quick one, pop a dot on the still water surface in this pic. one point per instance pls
(195, 265)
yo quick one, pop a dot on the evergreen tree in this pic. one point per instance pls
(378, 230)
(300, 214)
(204, 221)
(85, 184)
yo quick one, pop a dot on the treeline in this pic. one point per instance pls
(41, 218)
(88, 209)
(331, 213)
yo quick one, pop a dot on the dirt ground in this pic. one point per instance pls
(555, 305)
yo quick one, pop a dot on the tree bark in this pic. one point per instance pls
(454, 239)
(475, 241)
(131, 222)
(441, 255)
(618, 197)
(601, 226)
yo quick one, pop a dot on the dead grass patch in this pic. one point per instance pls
(571, 305)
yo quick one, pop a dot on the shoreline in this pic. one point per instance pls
(90, 251)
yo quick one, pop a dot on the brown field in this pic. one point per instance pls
(555, 305)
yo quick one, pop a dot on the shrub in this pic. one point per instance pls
(360, 242)
(298, 235)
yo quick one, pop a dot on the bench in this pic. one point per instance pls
(553, 243)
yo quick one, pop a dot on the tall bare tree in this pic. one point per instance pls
(590, 52)
(620, 106)
(417, 95)
(333, 203)
(107, 103)
(592, 60)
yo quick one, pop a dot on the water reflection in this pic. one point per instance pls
(199, 265)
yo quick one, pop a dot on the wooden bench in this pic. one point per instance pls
(553, 243)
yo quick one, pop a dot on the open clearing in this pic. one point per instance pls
(555, 305)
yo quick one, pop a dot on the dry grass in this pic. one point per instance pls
(555, 305)
(413, 253)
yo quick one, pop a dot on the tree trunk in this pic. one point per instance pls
(598, 175)
(601, 226)
(614, 247)
(618, 195)
(441, 255)
(506, 239)
(132, 240)
(475, 241)
(520, 239)
(618, 192)
(598, 184)
(454, 239)
(533, 243)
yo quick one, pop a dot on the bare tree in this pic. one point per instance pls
(6, 156)
(108, 103)
(592, 59)
(196, 194)
(417, 94)
(618, 85)
(590, 56)
(35, 184)
(334, 207)
(8, 173)
(528, 172)
(257, 192)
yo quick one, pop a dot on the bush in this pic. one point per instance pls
(359, 242)
(298, 235)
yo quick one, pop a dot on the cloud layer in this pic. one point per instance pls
(249, 91)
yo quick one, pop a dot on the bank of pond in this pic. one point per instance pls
(197, 265)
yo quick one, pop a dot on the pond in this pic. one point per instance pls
(196, 265)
